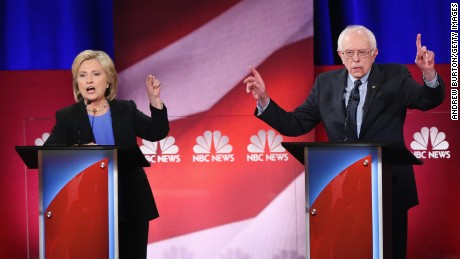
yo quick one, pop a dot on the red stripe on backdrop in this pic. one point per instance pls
(172, 19)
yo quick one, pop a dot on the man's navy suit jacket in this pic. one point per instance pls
(391, 91)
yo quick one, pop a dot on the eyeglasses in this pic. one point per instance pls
(361, 53)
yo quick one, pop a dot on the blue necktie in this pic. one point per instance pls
(350, 121)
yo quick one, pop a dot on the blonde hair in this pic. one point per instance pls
(109, 69)
(351, 28)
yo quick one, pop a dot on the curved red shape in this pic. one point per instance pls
(78, 227)
(342, 226)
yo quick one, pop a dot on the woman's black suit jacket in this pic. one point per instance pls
(73, 127)
(391, 91)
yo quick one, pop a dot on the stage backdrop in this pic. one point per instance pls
(224, 185)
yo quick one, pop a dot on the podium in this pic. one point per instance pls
(78, 197)
(348, 197)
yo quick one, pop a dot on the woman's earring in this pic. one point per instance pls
(107, 90)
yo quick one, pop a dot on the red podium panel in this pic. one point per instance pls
(342, 214)
(76, 219)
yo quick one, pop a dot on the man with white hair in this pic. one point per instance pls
(363, 102)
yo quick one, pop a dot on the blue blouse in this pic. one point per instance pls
(102, 128)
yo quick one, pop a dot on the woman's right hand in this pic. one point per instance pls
(153, 91)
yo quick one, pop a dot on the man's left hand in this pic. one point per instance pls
(425, 59)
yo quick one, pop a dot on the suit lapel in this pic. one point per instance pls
(342, 77)
(81, 117)
(115, 120)
(373, 86)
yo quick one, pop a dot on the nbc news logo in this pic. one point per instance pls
(163, 151)
(213, 147)
(266, 146)
(425, 138)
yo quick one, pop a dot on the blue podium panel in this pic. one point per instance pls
(78, 203)
(344, 201)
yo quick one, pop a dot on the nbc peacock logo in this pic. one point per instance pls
(430, 143)
(163, 151)
(266, 146)
(41, 141)
(213, 147)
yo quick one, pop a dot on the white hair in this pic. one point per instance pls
(351, 28)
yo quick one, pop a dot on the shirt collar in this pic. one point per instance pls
(363, 79)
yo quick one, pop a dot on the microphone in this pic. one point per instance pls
(94, 112)
(79, 138)
(92, 119)
(346, 124)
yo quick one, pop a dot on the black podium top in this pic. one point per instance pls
(391, 153)
(133, 155)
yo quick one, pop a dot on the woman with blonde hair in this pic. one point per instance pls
(98, 118)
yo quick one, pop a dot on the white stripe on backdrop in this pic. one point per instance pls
(199, 69)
